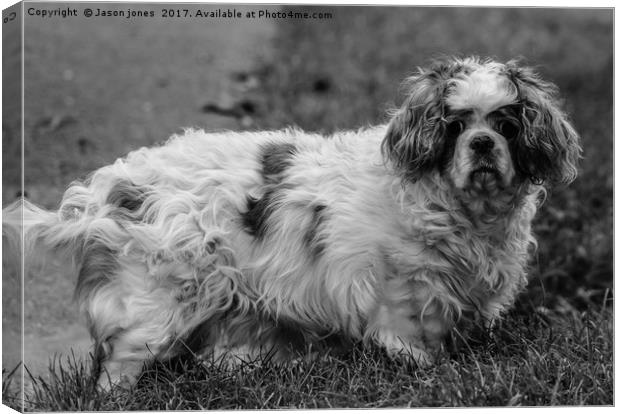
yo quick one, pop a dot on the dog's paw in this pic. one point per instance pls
(409, 350)
(119, 374)
(412, 354)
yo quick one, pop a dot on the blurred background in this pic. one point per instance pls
(97, 88)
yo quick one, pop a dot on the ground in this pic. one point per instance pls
(96, 89)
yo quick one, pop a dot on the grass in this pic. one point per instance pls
(533, 359)
(554, 348)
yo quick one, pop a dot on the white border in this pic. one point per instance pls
(477, 3)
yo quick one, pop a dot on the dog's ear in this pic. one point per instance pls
(414, 139)
(549, 149)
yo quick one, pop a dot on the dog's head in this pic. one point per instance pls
(487, 127)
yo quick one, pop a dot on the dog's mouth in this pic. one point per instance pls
(485, 178)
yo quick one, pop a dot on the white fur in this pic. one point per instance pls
(485, 89)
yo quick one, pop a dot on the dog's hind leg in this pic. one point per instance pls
(143, 312)
(133, 316)
(119, 359)
(126, 339)
(109, 370)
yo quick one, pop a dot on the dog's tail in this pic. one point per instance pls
(28, 230)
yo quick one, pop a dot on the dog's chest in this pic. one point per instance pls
(462, 267)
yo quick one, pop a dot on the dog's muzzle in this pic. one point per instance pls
(486, 177)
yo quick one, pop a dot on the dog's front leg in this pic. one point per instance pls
(408, 322)
(119, 373)
(400, 334)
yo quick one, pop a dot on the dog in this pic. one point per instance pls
(235, 245)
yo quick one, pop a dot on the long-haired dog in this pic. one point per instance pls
(244, 243)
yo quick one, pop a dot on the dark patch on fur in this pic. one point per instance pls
(255, 220)
(128, 197)
(198, 338)
(97, 268)
(414, 141)
(549, 146)
(312, 237)
(271, 336)
(275, 159)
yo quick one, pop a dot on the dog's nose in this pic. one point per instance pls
(482, 144)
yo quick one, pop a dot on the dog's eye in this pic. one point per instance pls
(454, 128)
(508, 129)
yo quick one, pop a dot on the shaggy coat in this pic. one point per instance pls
(237, 244)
